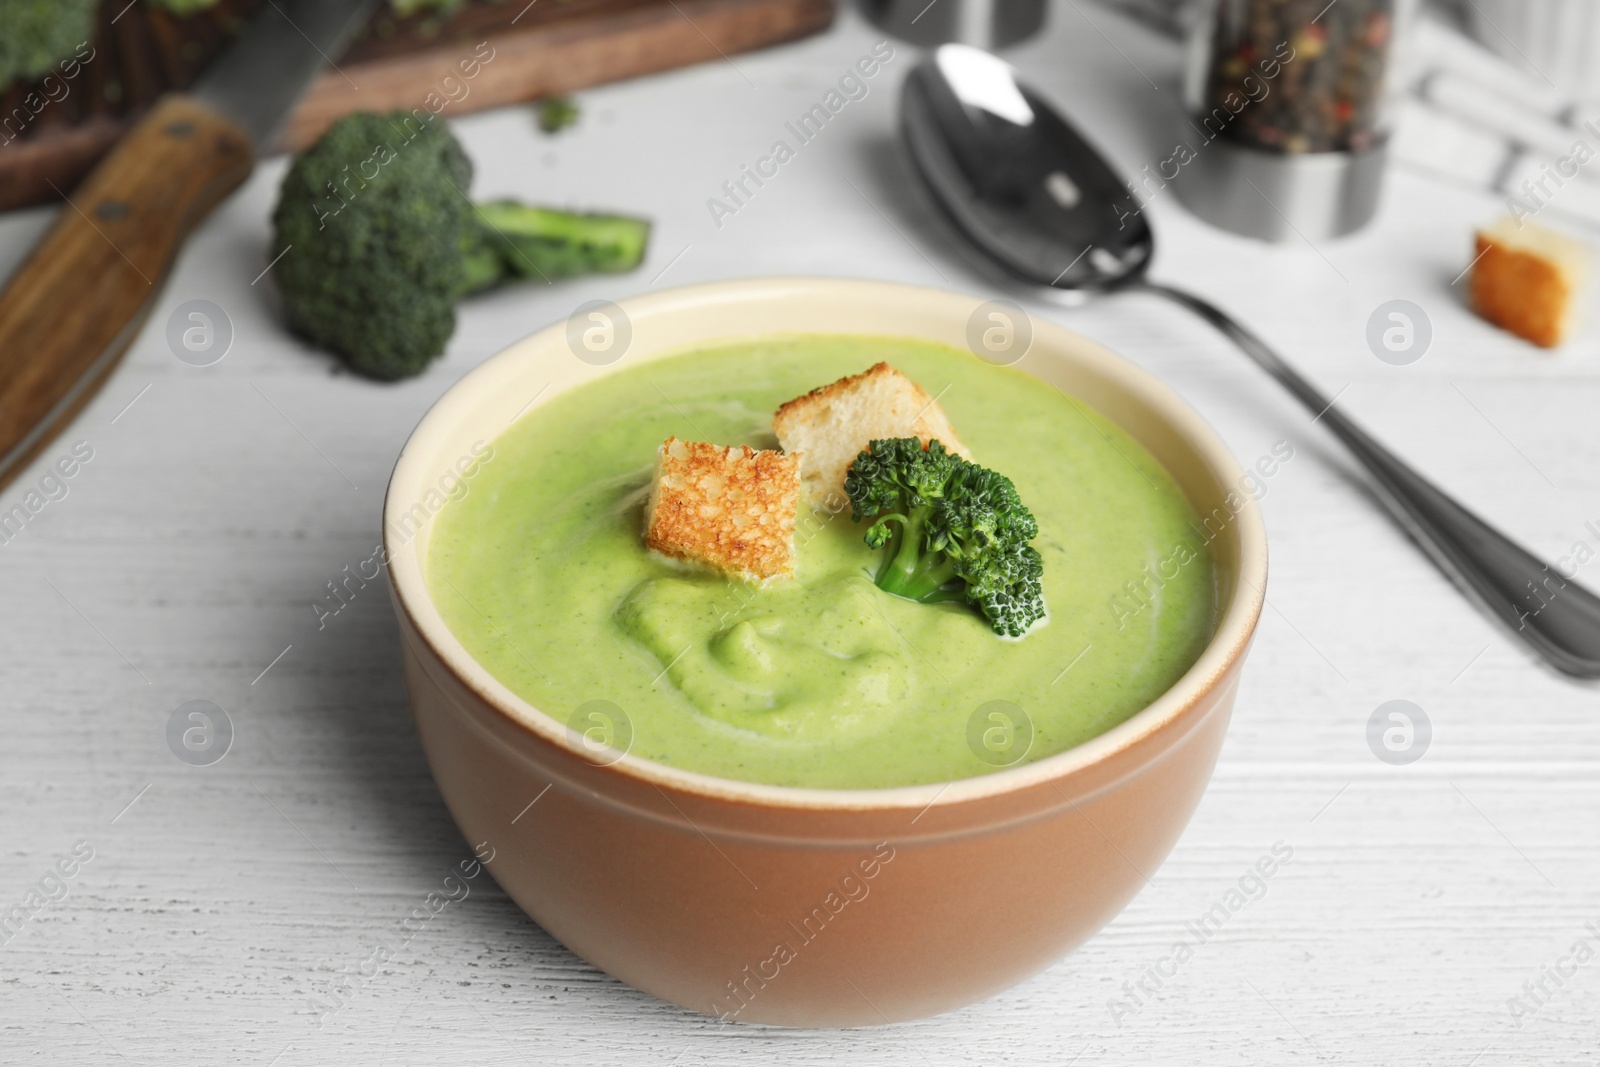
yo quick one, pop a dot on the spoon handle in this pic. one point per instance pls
(1555, 616)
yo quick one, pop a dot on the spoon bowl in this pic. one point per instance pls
(1017, 180)
(1036, 199)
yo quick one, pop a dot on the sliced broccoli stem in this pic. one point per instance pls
(535, 242)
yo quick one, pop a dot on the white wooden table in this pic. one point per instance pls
(184, 558)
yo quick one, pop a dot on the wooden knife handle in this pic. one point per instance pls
(77, 302)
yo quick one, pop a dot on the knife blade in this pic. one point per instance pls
(73, 307)
(258, 79)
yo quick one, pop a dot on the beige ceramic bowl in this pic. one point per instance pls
(811, 907)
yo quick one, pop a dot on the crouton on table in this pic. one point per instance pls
(833, 424)
(1527, 279)
(728, 508)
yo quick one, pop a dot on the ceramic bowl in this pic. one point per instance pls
(811, 907)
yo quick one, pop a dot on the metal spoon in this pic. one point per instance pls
(1038, 200)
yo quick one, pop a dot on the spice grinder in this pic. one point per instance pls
(1288, 106)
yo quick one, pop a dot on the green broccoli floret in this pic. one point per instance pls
(379, 241)
(184, 8)
(556, 113)
(35, 35)
(373, 225)
(954, 531)
(443, 8)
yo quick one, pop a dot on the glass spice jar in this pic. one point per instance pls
(1289, 101)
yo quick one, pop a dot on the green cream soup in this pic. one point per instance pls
(826, 680)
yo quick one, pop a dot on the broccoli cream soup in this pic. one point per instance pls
(824, 680)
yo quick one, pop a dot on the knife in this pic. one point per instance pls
(75, 305)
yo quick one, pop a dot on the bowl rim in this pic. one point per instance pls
(1235, 625)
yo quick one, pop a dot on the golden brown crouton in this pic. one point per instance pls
(728, 508)
(1527, 280)
(832, 425)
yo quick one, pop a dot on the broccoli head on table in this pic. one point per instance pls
(373, 223)
(378, 241)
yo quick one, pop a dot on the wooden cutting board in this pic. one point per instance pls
(487, 55)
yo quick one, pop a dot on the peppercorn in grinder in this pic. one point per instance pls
(1287, 103)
